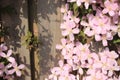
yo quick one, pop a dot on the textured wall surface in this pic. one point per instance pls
(49, 19)
(17, 24)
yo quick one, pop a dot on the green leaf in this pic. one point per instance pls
(116, 41)
(76, 9)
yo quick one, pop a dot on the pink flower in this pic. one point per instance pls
(16, 69)
(53, 76)
(61, 70)
(65, 9)
(79, 2)
(72, 17)
(4, 69)
(3, 47)
(104, 38)
(110, 7)
(79, 68)
(69, 29)
(62, 47)
(96, 76)
(8, 56)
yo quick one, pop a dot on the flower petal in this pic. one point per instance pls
(65, 32)
(9, 53)
(104, 42)
(11, 71)
(18, 73)
(11, 59)
(76, 30)
(97, 37)
(58, 46)
(71, 36)
(2, 54)
(21, 66)
(111, 13)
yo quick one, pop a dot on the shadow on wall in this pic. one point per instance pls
(16, 28)
(47, 7)
(44, 9)
(46, 22)
(48, 58)
(45, 49)
(14, 23)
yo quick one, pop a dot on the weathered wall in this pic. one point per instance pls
(49, 19)
(18, 26)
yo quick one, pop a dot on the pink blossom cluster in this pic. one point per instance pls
(79, 62)
(105, 23)
(8, 64)
(100, 26)
(70, 25)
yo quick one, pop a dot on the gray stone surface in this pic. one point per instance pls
(49, 19)
(17, 24)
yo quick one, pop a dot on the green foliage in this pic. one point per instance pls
(80, 11)
(116, 40)
(75, 9)
(31, 41)
(4, 61)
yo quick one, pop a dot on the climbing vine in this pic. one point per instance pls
(86, 22)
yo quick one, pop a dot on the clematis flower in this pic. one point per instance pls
(62, 47)
(65, 9)
(69, 29)
(4, 69)
(110, 7)
(96, 76)
(53, 76)
(72, 17)
(79, 2)
(62, 69)
(78, 59)
(16, 69)
(8, 56)
(3, 47)
(79, 68)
